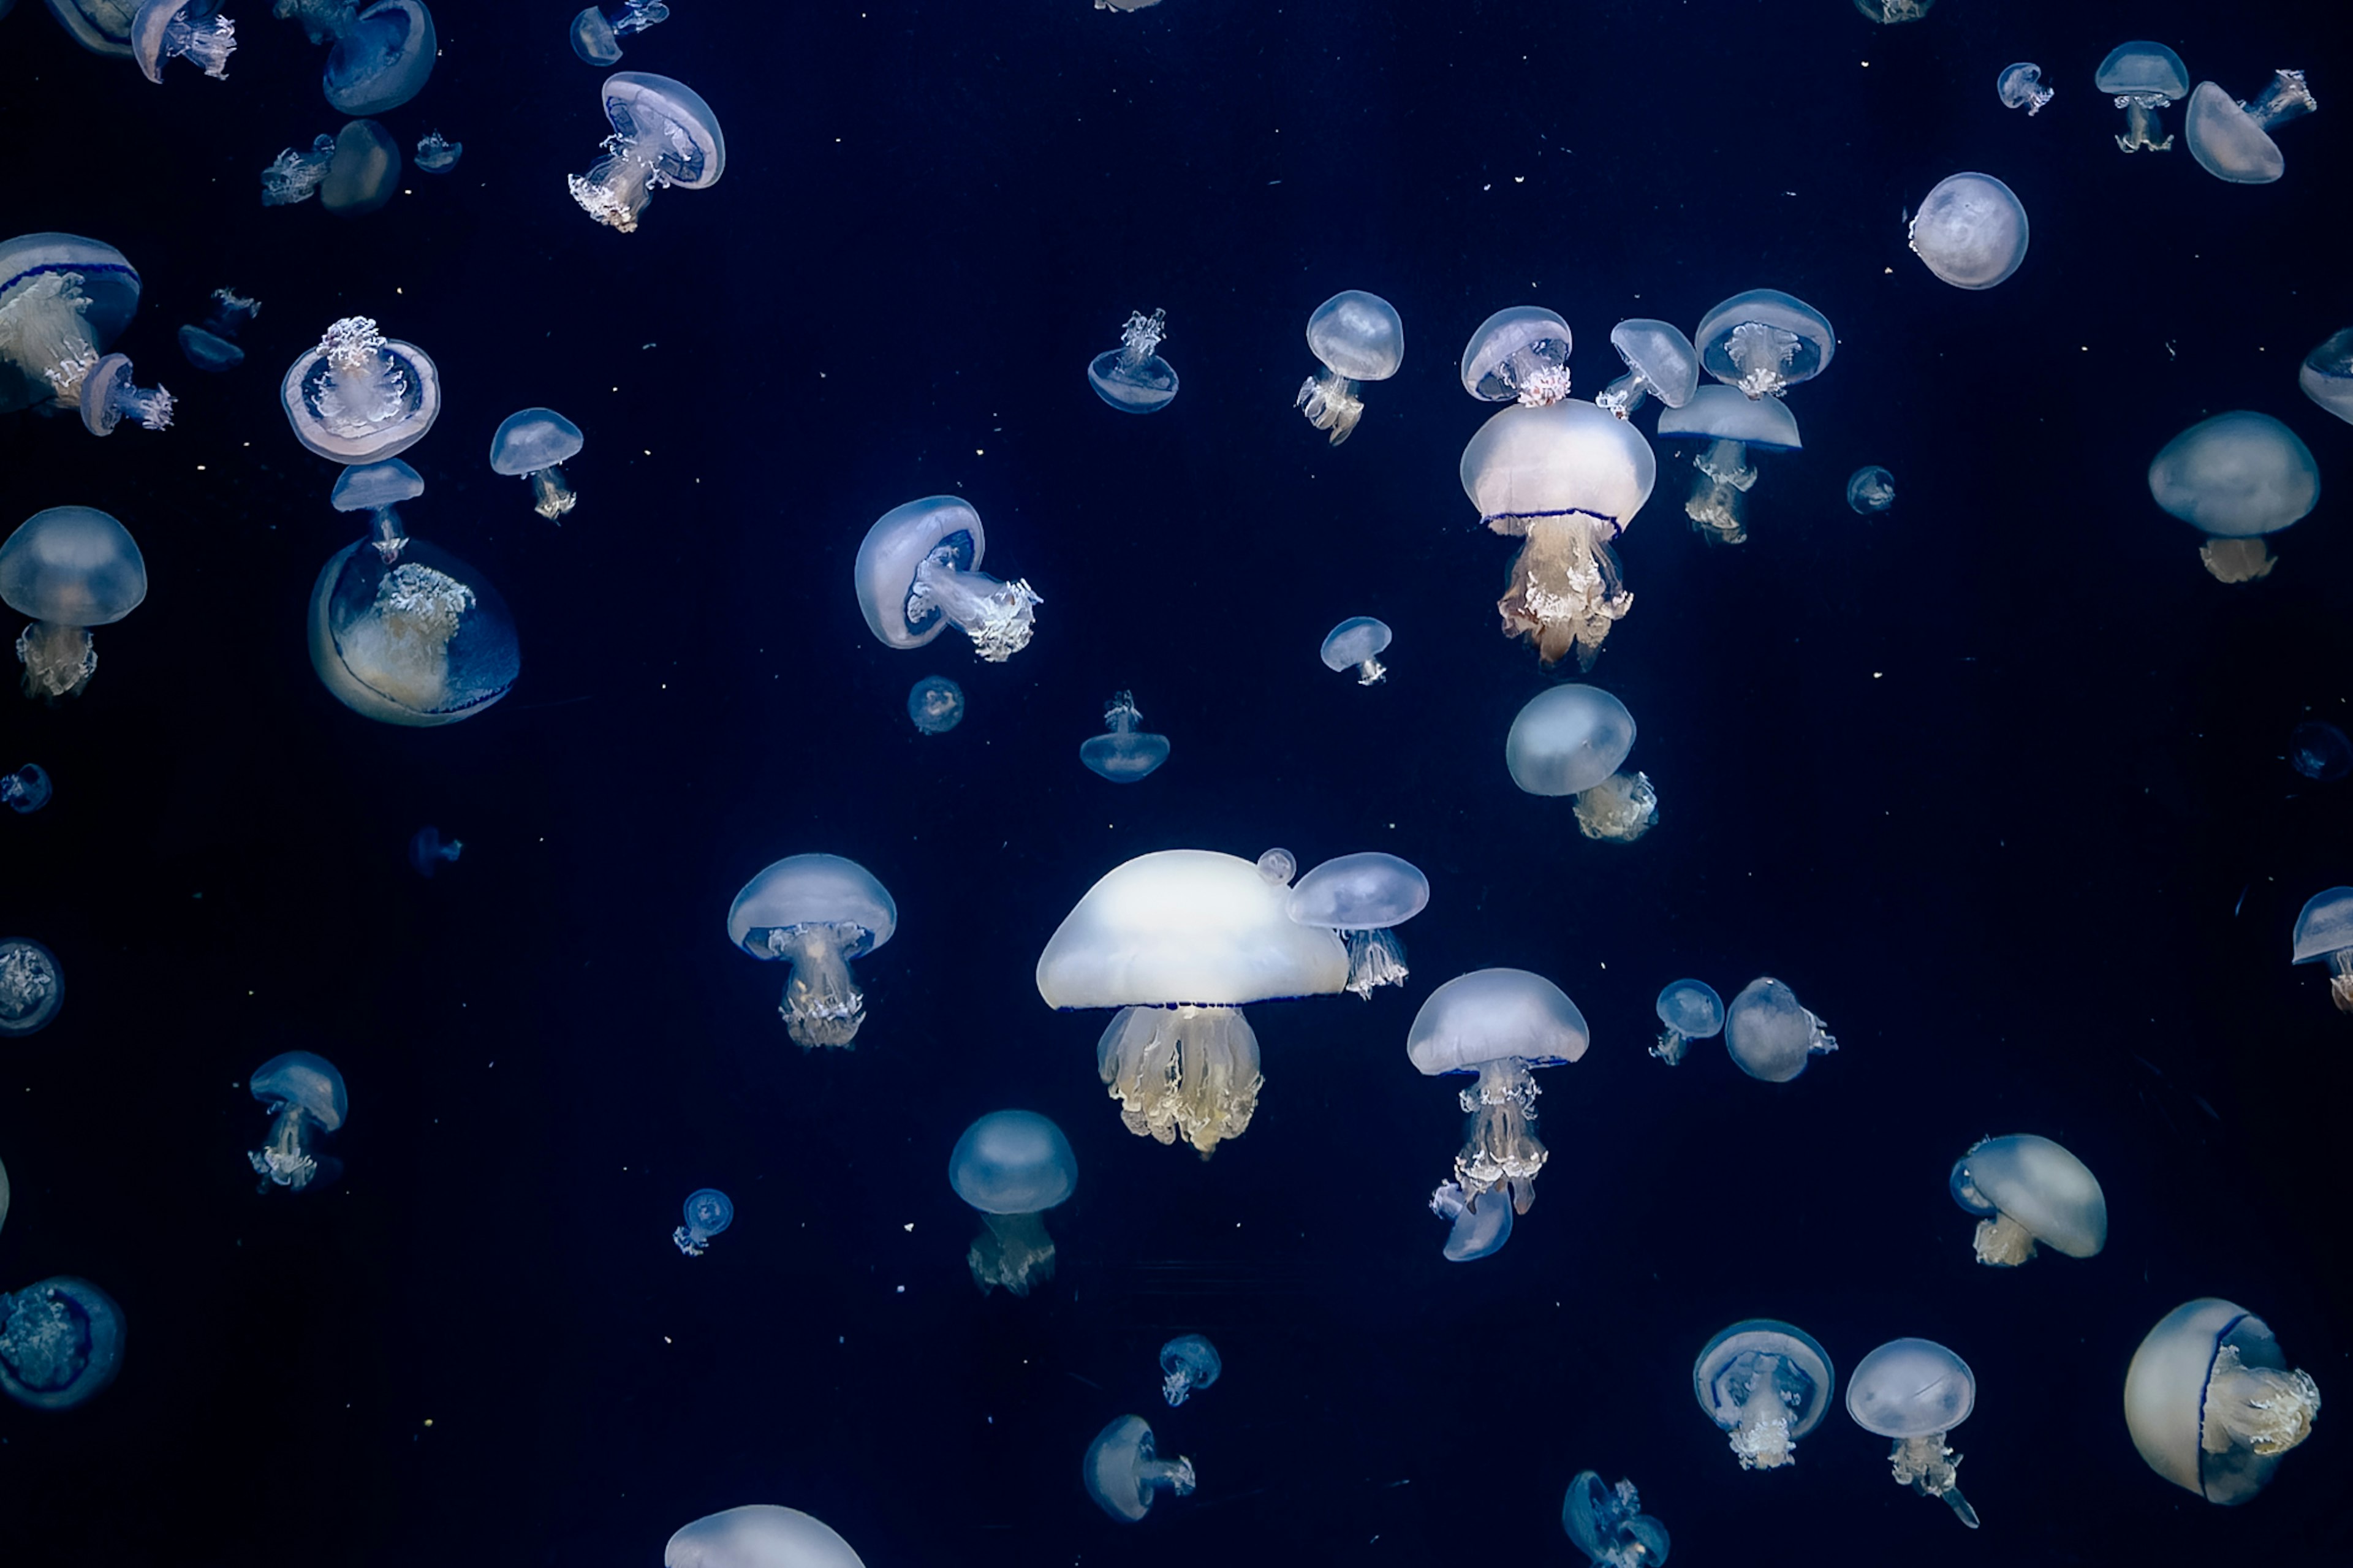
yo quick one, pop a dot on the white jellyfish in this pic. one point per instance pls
(663, 135)
(428, 852)
(1362, 897)
(423, 643)
(759, 1535)
(1123, 753)
(2020, 85)
(208, 347)
(1608, 1524)
(1659, 362)
(918, 572)
(1767, 1383)
(1359, 337)
(706, 1213)
(2232, 141)
(63, 301)
(32, 987)
(816, 912)
(2212, 1403)
(383, 54)
(306, 1100)
(61, 1343)
(1764, 342)
(360, 397)
(69, 568)
(2326, 374)
(26, 790)
(1122, 1473)
(1012, 1166)
(2236, 477)
(935, 705)
(2026, 1189)
(1570, 740)
(534, 444)
(1500, 1024)
(193, 29)
(1133, 377)
(1187, 1363)
(1519, 354)
(1730, 424)
(1769, 1036)
(2324, 933)
(437, 154)
(1688, 1010)
(294, 176)
(1871, 489)
(377, 489)
(2143, 77)
(1971, 230)
(363, 174)
(596, 35)
(1357, 644)
(1475, 1230)
(1917, 1390)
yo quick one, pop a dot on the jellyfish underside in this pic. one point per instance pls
(1375, 958)
(44, 328)
(2237, 560)
(357, 389)
(1184, 1071)
(1564, 591)
(59, 659)
(2268, 1410)
(1133, 377)
(1014, 1252)
(1770, 1389)
(1500, 1149)
(1619, 810)
(286, 1159)
(1715, 507)
(999, 617)
(1762, 354)
(1929, 1468)
(822, 1005)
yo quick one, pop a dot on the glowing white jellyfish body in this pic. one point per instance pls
(2020, 85)
(382, 56)
(1763, 342)
(759, 1535)
(1659, 362)
(2236, 477)
(209, 347)
(437, 154)
(663, 135)
(2326, 374)
(428, 852)
(294, 177)
(1570, 740)
(2143, 77)
(1767, 1383)
(1012, 1166)
(421, 643)
(1688, 1010)
(1362, 897)
(1608, 1524)
(1519, 354)
(1730, 424)
(2232, 141)
(1770, 1037)
(1122, 1473)
(360, 397)
(2212, 1403)
(69, 568)
(26, 790)
(61, 1343)
(101, 26)
(32, 987)
(1871, 489)
(377, 489)
(190, 29)
(1187, 1364)
(935, 705)
(306, 1100)
(1475, 1230)
(1133, 377)
(363, 172)
(534, 444)
(918, 572)
(816, 912)
(596, 35)
(1359, 337)
(1970, 230)
(2026, 1189)
(1500, 1024)
(2324, 934)
(1124, 753)
(706, 1213)
(1915, 1392)
(1357, 644)
(63, 301)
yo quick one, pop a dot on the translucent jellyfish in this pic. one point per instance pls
(364, 173)
(1917, 1390)
(1122, 1473)
(1971, 230)
(1660, 362)
(61, 1343)
(761, 1535)
(427, 852)
(1730, 425)
(192, 29)
(1569, 740)
(4, 1169)
(423, 643)
(534, 443)
(596, 36)
(2319, 751)
(816, 912)
(1871, 489)
(1475, 1230)
(1689, 1010)
(1359, 337)
(306, 1100)
(1123, 4)
(2323, 932)
(107, 396)
(2212, 1401)
(63, 301)
(294, 176)
(1179, 940)
(1133, 377)
(1518, 355)
(1354, 644)
(32, 986)
(2020, 85)
(1187, 1363)
(1567, 478)
(360, 397)
(2143, 77)
(1769, 1036)
(1888, 12)
(707, 1212)
(1012, 1166)
(2231, 141)
(377, 489)
(208, 347)
(1362, 897)
(2238, 475)
(1500, 1024)
(1123, 754)
(101, 26)
(1767, 1383)
(918, 572)
(71, 568)
(26, 789)
(2027, 1189)
(935, 704)
(663, 135)
(2326, 374)
(381, 58)
(1608, 1524)
(437, 154)
(1765, 343)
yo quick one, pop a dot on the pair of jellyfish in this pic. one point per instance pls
(2326, 374)
(935, 705)
(1357, 643)
(1572, 740)
(32, 987)
(533, 444)
(194, 30)
(1500, 1025)
(306, 1100)
(210, 347)
(2236, 477)
(2232, 141)
(1357, 337)
(1970, 230)
(382, 56)
(61, 1343)
(63, 301)
(2212, 1401)
(597, 33)
(1125, 752)
(706, 1213)
(352, 172)
(2324, 934)
(2020, 86)
(26, 790)
(1123, 1472)
(1133, 377)
(428, 852)
(1760, 344)
(918, 572)
(816, 912)
(1608, 1524)
(1012, 1166)
(2028, 1191)
(69, 568)
(759, 1535)
(1871, 491)
(663, 135)
(1363, 898)
(2319, 750)
(404, 632)
(1189, 1364)
(1688, 1010)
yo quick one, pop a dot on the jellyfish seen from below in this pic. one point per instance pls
(437, 154)
(2020, 85)
(1187, 1363)
(1871, 489)
(1124, 753)
(294, 177)
(2026, 1189)
(63, 301)
(1689, 1010)
(1012, 1166)
(533, 443)
(1570, 740)
(1917, 1390)
(2324, 932)
(208, 347)
(1769, 1036)
(32, 986)
(69, 568)
(360, 397)
(190, 29)
(306, 1100)
(423, 643)
(26, 790)
(663, 135)
(760, 1535)
(2236, 477)
(596, 36)
(1133, 377)
(2232, 141)
(1359, 337)
(1519, 354)
(61, 1343)
(1608, 1524)
(918, 572)
(2143, 77)
(1357, 644)
(1889, 13)
(427, 852)
(707, 1212)
(935, 704)
(816, 912)
(364, 175)
(1475, 1230)
(2319, 750)
(1500, 1024)
(1763, 342)
(382, 56)
(1730, 424)
(1362, 897)
(1122, 1473)
(2212, 1401)
(2326, 374)
(1659, 362)
(1767, 1383)
(1971, 230)
(377, 489)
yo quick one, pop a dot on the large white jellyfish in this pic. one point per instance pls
(2232, 141)
(663, 135)
(706, 1211)
(306, 1100)
(759, 1535)
(1357, 643)
(1122, 1473)
(918, 572)
(2324, 933)
(32, 987)
(1187, 1363)
(1730, 424)
(1124, 753)
(1570, 740)
(2212, 1401)
(1769, 1036)
(2026, 1189)
(1519, 354)
(534, 444)
(1475, 1230)
(193, 29)
(2143, 77)
(1500, 1024)
(1688, 1010)
(63, 299)
(1917, 1390)
(1179, 941)
(596, 36)
(1608, 1524)
(2326, 374)
(377, 489)
(1133, 377)
(816, 912)
(2020, 85)
(69, 568)
(360, 397)
(1764, 342)
(1359, 337)
(1659, 362)
(1971, 230)
(1362, 897)
(1012, 1166)
(61, 1343)
(421, 643)
(2235, 477)
(1767, 1383)
(208, 347)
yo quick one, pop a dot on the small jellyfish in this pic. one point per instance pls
(1767, 1383)
(108, 395)
(71, 568)
(2319, 750)
(1500, 1024)
(208, 347)
(2326, 374)
(1359, 337)
(918, 572)
(306, 1100)
(2026, 1189)
(1362, 897)
(26, 789)
(360, 397)
(1971, 230)
(1769, 1036)
(1730, 425)
(63, 301)
(1519, 354)
(2212, 1403)
(708, 1211)
(32, 986)
(427, 852)
(1871, 489)
(1354, 644)
(2232, 141)
(2020, 85)
(1474, 1230)
(2236, 477)
(381, 58)
(2324, 932)
(2143, 77)
(534, 443)
(1133, 378)
(193, 29)
(1608, 1524)
(761, 1535)
(423, 643)
(1569, 740)
(935, 704)
(1124, 752)
(597, 36)
(294, 176)
(1012, 1166)
(364, 173)
(1187, 1363)
(1659, 362)
(1917, 1390)
(1765, 343)
(1122, 1473)
(816, 912)
(1689, 1010)
(663, 135)
(61, 1343)
(437, 154)
(377, 489)
(1889, 13)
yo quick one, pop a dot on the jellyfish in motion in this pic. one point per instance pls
(1124, 753)
(294, 177)
(437, 154)
(1971, 230)
(2143, 77)
(428, 851)
(107, 396)
(1500, 1024)
(382, 56)
(306, 1100)
(1871, 489)
(534, 443)
(1133, 377)
(69, 568)
(1608, 1524)
(1359, 337)
(918, 572)
(1917, 1390)
(1688, 1010)
(190, 29)
(596, 35)
(663, 135)
(1187, 1363)
(816, 912)
(63, 301)
(2236, 477)
(2020, 85)
(1769, 1036)
(1767, 1383)
(760, 1535)
(935, 704)
(2324, 932)
(2319, 750)
(61, 1343)
(2212, 1401)
(364, 173)
(26, 790)
(2326, 374)
(1012, 1166)
(707, 1212)
(1519, 354)
(1122, 1473)
(1475, 1230)
(1362, 897)
(1570, 740)
(2232, 141)
(1730, 425)
(1357, 644)
(208, 347)
(2026, 1189)
(1763, 342)
(377, 489)
(1659, 362)
(423, 643)
(32, 986)
(1890, 13)
(360, 397)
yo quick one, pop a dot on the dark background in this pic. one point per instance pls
(1996, 781)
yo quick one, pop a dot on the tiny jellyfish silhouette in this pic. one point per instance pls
(1917, 1390)
(61, 1343)
(2020, 85)
(69, 568)
(534, 444)
(63, 301)
(360, 397)
(1871, 489)
(32, 986)
(175, 29)
(1354, 644)
(708, 1212)
(1608, 1524)
(815, 912)
(1688, 1010)
(209, 347)
(1359, 336)
(1125, 752)
(1133, 377)
(427, 851)
(2143, 77)
(1012, 1166)
(306, 1100)
(596, 35)
(2028, 1191)
(918, 572)
(2212, 1401)
(2232, 141)
(1766, 1383)
(2319, 750)
(1187, 1363)
(663, 135)
(27, 789)
(935, 704)
(1122, 1473)
(437, 154)
(1970, 230)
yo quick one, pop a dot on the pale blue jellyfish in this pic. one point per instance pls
(1689, 1010)
(364, 175)
(294, 176)
(2020, 85)
(26, 789)
(1767, 1383)
(1970, 230)
(2236, 477)
(423, 643)
(2232, 141)
(816, 912)
(532, 443)
(708, 1212)
(306, 1100)
(935, 704)
(1763, 342)
(1871, 489)
(108, 397)
(1123, 1472)
(1359, 337)
(1519, 354)
(1361, 897)
(32, 986)
(1917, 1390)
(1477, 1225)
(1133, 377)
(2320, 751)
(61, 1343)
(382, 56)
(759, 1535)
(2324, 933)
(2212, 1401)
(663, 135)
(1569, 740)
(1187, 1363)
(1500, 1024)
(2143, 77)
(378, 488)
(437, 154)
(208, 347)
(1125, 752)
(2025, 1190)
(360, 397)
(69, 568)
(63, 301)
(2326, 374)
(1357, 644)
(1012, 1166)
(596, 36)
(190, 29)
(101, 26)
(918, 572)
(1769, 1036)
(1608, 1524)
(1659, 362)
(428, 852)
(1731, 423)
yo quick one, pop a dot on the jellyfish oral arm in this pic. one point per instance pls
(1331, 403)
(2141, 122)
(1141, 338)
(2003, 1242)
(1625, 394)
(296, 176)
(2263, 1408)
(1926, 1465)
(1375, 958)
(59, 660)
(1672, 1043)
(1565, 592)
(1188, 1070)
(822, 1005)
(1177, 1475)
(1500, 1149)
(617, 187)
(1761, 354)
(285, 1161)
(43, 328)
(550, 497)
(998, 616)
(1762, 1438)
(1015, 1252)
(210, 43)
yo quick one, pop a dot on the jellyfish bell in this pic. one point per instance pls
(209, 347)
(1189, 1364)
(428, 853)
(382, 60)
(1499, 1023)
(2020, 85)
(1133, 377)
(1770, 1037)
(1124, 752)
(2143, 77)
(759, 1535)
(26, 790)
(63, 301)
(61, 1343)
(2320, 751)
(1608, 1524)
(2324, 934)
(1477, 1225)
(1971, 230)
(32, 987)
(1659, 362)
(1767, 1383)
(422, 642)
(2236, 477)
(162, 30)
(1012, 1166)
(1688, 1010)
(1362, 897)
(306, 1098)
(935, 705)
(378, 488)
(1519, 354)
(706, 1211)
(1916, 1390)
(2326, 374)
(1123, 1472)
(69, 568)
(1730, 424)
(2212, 1403)
(360, 397)
(918, 572)
(1763, 342)
(1359, 336)
(816, 912)
(1871, 489)
(2232, 141)
(1570, 740)
(597, 36)
(364, 175)
(534, 444)
(663, 135)
(1357, 644)
(437, 154)
(2027, 1189)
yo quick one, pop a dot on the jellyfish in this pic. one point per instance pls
(597, 36)
(1354, 644)
(1519, 354)
(1769, 1036)
(1889, 13)
(1730, 424)
(1133, 378)
(381, 56)
(1660, 362)
(1608, 1524)
(1122, 1473)
(364, 173)
(2212, 1403)
(306, 1100)
(663, 135)
(3, 1168)
(760, 1535)
(1012, 1166)
(1475, 1230)
(935, 704)
(423, 643)
(1689, 1010)
(2236, 477)
(2326, 374)
(2020, 85)
(918, 572)
(1179, 940)
(32, 986)
(2026, 1190)
(1971, 231)
(707, 1212)
(1361, 897)
(2143, 77)
(208, 347)
(1871, 489)
(26, 790)
(378, 488)
(2319, 750)
(437, 154)
(295, 176)
(1569, 740)
(2231, 141)
(1917, 1390)
(1187, 1363)
(108, 395)
(817, 912)
(61, 1343)
(71, 568)
(1765, 343)
(1767, 1383)
(63, 301)
(1359, 337)
(1123, 4)
(2324, 930)
(427, 852)
(1123, 753)
(360, 397)
(193, 29)
(1500, 1024)
(533, 443)
(1567, 478)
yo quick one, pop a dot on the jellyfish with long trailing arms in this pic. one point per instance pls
(26, 790)
(1473, 1230)
(1501, 1025)
(61, 1343)
(1519, 354)
(534, 444)
(194, 30)
(2324, 934)
(1133, 377)
(1970, 230)
(1730, 424)
(1608, 1524)
(2143, 77)
(1011, 1167)
(294, 177)
(918, 572)
(63, 301)
(759, 1535)
(32, 987)
(1766, 1383)
(2232, 141)
(429, 851)
(935, 705)
(1688, 1010)
(377, 489)
(2028, 1191)
(2212, 1403)
(596, 35)
(663, 135)
(1659, 362)
(69, 568)
(1363, 897)
(437, 154)
(1359, 337)
(1357, 643)
(306, 1100)
(815, 912)
(1770, 1035)
(209, 347)
(421, 643)
(1187, 1364)
(1123, 1473)
(2020, 85)
(1915, 1392)
(1870, 490)
(1763, 342)
(2236, 477)
(360, 397)
(1125, 750)
(1572, 740)
(706, 1213)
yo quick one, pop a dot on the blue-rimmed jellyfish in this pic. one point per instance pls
(32, 986)
(2020, 85)
(1187, 1363)
(935, 705)
(437, 154)
(2324, 933)
(707, 1212)
(1501, 1025)
(1608, 1524)
(69, 568)
(1730, 424)
(294, 176)
(194, 30)
(2026, 1189)
(306, 1100)
(1659, 362)
(1133, 377)
(364, 175)
(663, 135)
(1767, 1383)
(1362, 897)
(1359, 337)
(918, 572)
(1970, 230)
(1763, 342)
(423, 643)
(209, 347)
(2320, 751)
(1770, 1037)
(1871, 489)
(1688, 1010)
(381, 58)
(2326, 374)
(1519, 354)
(1012, 1166)
(2236, 477)
(429, 851)
(1122, 1473)
(360, 397)
(596, 35)
(1474, 1230)
(2143, 77)
(377, 489)
(760, 1535)
(2232, 141)
(1915, 1392)
(1357, 644)
(1570, 740)
(815, 912)
(63, 301)
(1124, 752)
(534, 444)
(26, 790)
(61, 1343)
(2212, 1403)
